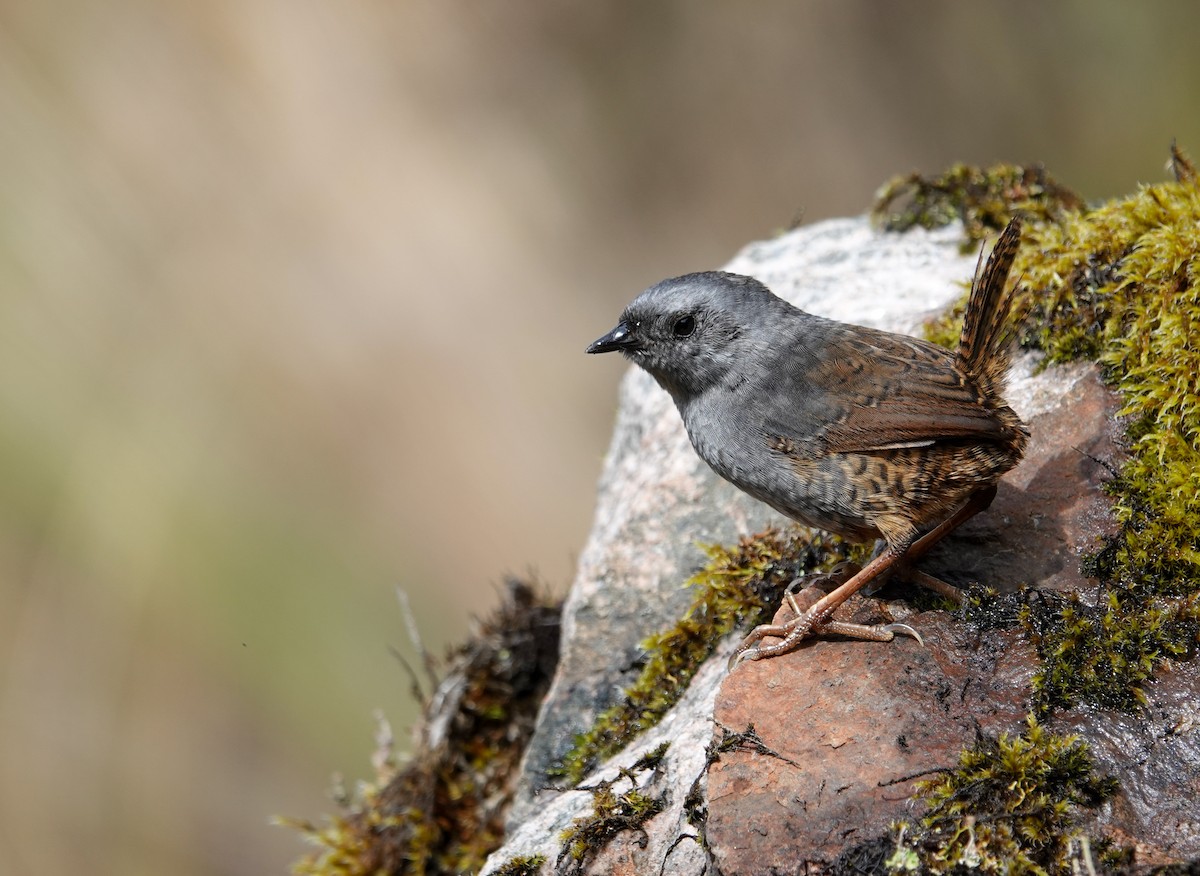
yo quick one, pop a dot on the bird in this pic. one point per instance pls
(868, 434)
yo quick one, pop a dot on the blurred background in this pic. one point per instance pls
(293, 302)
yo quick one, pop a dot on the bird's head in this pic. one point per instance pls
(690, 332)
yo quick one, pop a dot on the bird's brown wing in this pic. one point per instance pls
(881, 391)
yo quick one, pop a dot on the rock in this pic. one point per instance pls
(841, 728)
(1156, 756)
(851, 729)
(671, 843)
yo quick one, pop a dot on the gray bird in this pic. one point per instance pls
(856, 431)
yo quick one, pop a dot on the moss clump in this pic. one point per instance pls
(986, 609)
(1010, 806)
(740, 586)
(523, 865)
(983, 199)
(443, 812)
(1103, 655)
(347, 842)
(611, 814)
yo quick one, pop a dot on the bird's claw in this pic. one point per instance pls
(902, 628)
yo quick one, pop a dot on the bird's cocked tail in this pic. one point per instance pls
(983, 346)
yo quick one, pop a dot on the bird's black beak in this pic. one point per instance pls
(620, 338)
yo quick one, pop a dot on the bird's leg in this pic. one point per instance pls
(819, 613)
(870, 632)
(815, 586)
(809, 588)
(931, 583)
(976, 502)
(905, 572)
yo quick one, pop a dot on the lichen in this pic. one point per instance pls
(739, 586)
(443, 812)
(1012, 806)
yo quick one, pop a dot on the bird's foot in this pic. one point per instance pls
(812, 612)
(806, 624)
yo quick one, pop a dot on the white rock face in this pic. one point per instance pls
(846, 270)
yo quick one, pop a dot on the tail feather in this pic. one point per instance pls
(983, 346)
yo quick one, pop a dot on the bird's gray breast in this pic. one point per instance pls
(727, 429)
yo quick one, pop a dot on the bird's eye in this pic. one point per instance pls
(684, 326)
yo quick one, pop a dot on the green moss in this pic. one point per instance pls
(739, 586)
(345, 843)
(611, 814)
(1010, 806)
(443, 812)
(523, 865)
(983, 199)
(986, 609)
(354, 843)
(1103, 655)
